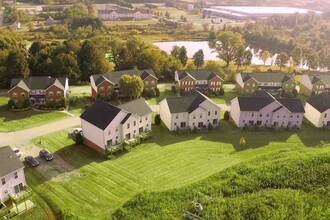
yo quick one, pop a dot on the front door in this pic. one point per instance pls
(183, 124)
(128, 136)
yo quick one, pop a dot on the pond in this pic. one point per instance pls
(209, 54)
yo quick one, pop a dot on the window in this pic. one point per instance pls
(152, 82)
(15, 175)
(297, 116)
(134, 123)
(252, 114)
(283, 116)
(116, 137)
(209, 113)
(140, 120)
(247, 84)
(194, 116)
(147, 82)
(267, 115)
(51, 93)
(200, 116)
(174, 123)
(325, 115)
(128, 126)
(23, 94)
(278, 116)
(253, 85)
(146, 117)
(243, 121)
(14, 94)
(116, 129)
(147, 125)
(258, 123)
(58, 93)
(134, 131)
(109, 87)
(260, 115)
(176, 116)
(215, 112)
(101, 88)
(291, 116)
(3, 181)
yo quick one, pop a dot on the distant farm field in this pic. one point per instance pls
(87, 180)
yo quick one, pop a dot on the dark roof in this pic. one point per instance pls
(137, 107)
(115, 76)
(293, 105)
(120, 10)
(263, 98)
(187, 103)
(9, 161)
(267, 77)
(320, 102)
(254, 103)
(100, 114)
(199, 74)
(38, 82)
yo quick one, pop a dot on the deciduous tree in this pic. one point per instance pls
(199, 58)
(227, 45)
(131, 86)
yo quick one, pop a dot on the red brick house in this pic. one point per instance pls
(186, 80)
(104, 84)
(39, 90)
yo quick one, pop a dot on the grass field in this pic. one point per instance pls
(13, 121)
(167, 161)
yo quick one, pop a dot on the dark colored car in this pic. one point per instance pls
(46, 155)
(32, 161)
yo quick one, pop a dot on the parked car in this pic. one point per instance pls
(17, 151)
(32, 161)
(46, 155)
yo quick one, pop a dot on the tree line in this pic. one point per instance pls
(78, 60)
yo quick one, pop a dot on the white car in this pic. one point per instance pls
(17, 151)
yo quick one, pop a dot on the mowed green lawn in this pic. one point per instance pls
(13, 121)
(93, 187)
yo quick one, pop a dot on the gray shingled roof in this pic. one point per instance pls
(100, 114)
(187, 103)
(9, 161)
(263, 98)
(320, 102)
(115, 76)
(253, 103)
(137, 107)
(38, 82)
(198, 74)
(325, 77)
(266, 77)
(293, 105)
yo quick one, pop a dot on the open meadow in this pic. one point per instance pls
(88, 185)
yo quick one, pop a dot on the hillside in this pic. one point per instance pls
(289, 184)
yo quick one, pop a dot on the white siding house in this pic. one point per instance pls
(318, 110)
(105, 125)
(12, 177)
(263, 110)
(193, 110)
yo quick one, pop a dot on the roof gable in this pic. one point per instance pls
(199, 74)
(9, 161)
(267, 77)
(320, 102)
(187, 103)
(40, 82)
(100, 114)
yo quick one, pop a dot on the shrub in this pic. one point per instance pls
(157, 119)
(26, 103)
(182, 92)
(152, 92)
(11, 104)
(221, 92)
(62, 102)
(173, 89)
(226, 116)
(242, 141)
(294, 93)
(114, 95)
(157, 92)
(79, 139)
